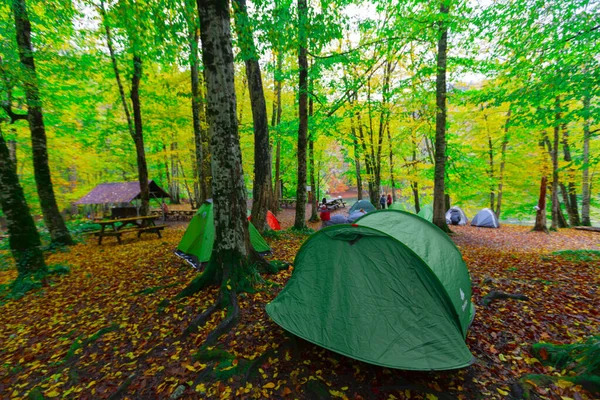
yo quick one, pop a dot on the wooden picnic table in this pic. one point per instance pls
(287, 202)
(118, 227)
(335, 204)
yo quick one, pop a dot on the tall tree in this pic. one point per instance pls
(232, 260)
(540, 215)
(439, 211)
(52, 217)
(275, 121)
(24, 240)
(135, 127)
(300, 220)
(585, 186)
(554, 154)
(263, 187)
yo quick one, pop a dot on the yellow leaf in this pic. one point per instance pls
(190, 367)
(532, 383)
(430, 396)
(229, 287)
(502, 392)
(92, 383)
(564, 384)
(269, 385)
(501, 357)
(200, 388)
(345, 388)
(531, 361)
(52, 393)
(566, 398)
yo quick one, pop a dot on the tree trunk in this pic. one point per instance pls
(571, 195)
(314, 217)
(585, 186)
(356, 153)
(554, 154)
(174, 190)
(373, 192)
(275, 121)
(439, 214)
(24, 241)
(263, 186)
(300, 221)
(232, 244)
(12, 153)
(502, 164)
(138, 137)
(540, 215)
(52, 217)
(197, 108)
(415, 184)
(389, 135)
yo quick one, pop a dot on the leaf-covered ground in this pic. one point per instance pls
(98, 331)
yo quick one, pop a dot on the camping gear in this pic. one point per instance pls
(426, 212)
(272, 220)
(456, 216)
(335, 219)
(196, 244)
(486, 218)
(364, 204)
(391, 290)
(355, 215)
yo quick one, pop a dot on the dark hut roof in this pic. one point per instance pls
(119, 192)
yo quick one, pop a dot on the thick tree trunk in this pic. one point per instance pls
(585, 186)
(138, 137)
(502, 164)
(439, 214)
(263, 187)
(197, 109)
(232, 244)
(415, 189)
(300, 220)
(52, 217)
(24, 241)
(373, 192)
(554, 154)
(571, 198)
(357, 167)
(540, 215)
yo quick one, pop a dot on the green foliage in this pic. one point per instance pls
(579, 255)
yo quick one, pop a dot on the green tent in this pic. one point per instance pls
(398, 206)
(426, 212)
(364, 204)
(197, 243)
(363, 293)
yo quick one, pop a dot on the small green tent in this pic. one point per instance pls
(398, 206)
(361, 292)
(197, 243)
(426, 212)
(362, 204)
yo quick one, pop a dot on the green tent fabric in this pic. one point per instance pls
(364, 204)
(435, 248)
(426, 212)
(398, 206)
(197, 243)
(362, 293)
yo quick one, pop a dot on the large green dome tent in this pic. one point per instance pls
(398, 206)
(361, 292)
(362, 204)
(196, 244)
(426, 212)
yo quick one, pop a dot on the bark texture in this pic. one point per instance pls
(502, 164)
(52, 217)
(585, 186)
(300, 220)
(263, 186)
(138, 137)
(554, 154)
(439, 212)
(570, 192)
(197, 102)
(24, 240)
(275, 121)
(229, 192)
(540, 215)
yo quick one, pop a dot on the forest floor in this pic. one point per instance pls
(98, 333)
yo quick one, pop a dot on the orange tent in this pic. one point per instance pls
(271, 220)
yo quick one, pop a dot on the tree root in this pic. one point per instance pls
(123, 388)
(232, 318)
(498, 295)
